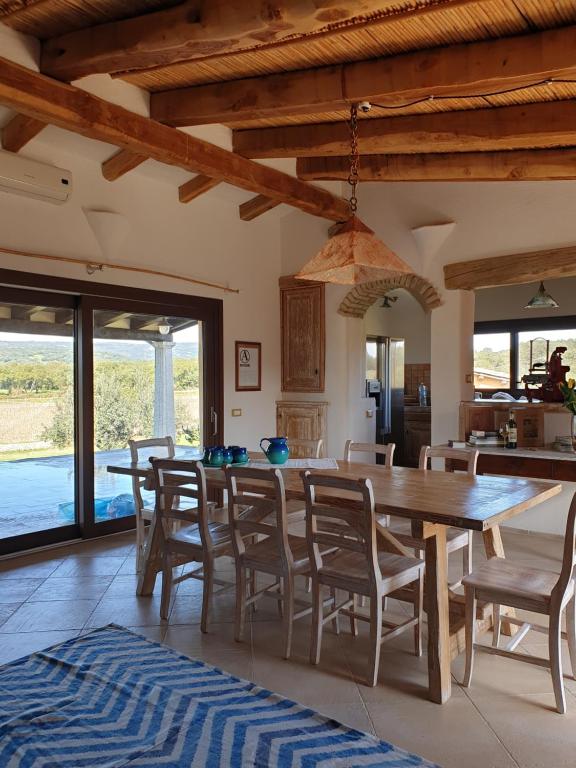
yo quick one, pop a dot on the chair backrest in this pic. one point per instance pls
(381, 450)
(140, 450)
(305, 449)
(352, 509)
(177, 479)
(568, 572)
(270, 501)
(468, 456)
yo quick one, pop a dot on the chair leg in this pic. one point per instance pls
(288, 600)
(555, 648)
(207, 587)
(418, 613)
(139, 542)
(375, 639)
(166, 585)
(280, 603)
(571, 632)
(308, 584)
(470, 634)
(240, 617)
(253, 588)
(353, 622)
(335, 620)
(467, 556)
(317, 622)
(496, 621)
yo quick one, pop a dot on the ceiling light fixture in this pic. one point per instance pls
(354, 254)
(164, 328)
(542, 300)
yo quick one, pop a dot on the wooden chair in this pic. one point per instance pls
(456, 539)
(278, 554)
(142, 450)
(377, 448)
(356, 566)
(181, 496)
(305, 449)
(502, 582)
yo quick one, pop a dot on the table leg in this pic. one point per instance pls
(152, 561)
(437, 611)
(494, 547)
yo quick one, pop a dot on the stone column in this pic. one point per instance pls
(164, 418)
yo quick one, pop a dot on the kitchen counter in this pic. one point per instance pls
(526, 453)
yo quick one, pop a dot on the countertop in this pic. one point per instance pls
(528, 453)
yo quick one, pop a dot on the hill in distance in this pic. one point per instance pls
(61, 351)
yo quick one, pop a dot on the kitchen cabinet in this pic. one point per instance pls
(417, 432)
(303, 335)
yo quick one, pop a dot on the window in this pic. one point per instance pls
(502, 350)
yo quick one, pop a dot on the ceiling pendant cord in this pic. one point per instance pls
(354, 159)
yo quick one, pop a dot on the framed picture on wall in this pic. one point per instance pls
(248, 366)
(530, 422)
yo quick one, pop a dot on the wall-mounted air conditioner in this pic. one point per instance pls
(32, 179)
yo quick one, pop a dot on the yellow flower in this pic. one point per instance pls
(571, 383)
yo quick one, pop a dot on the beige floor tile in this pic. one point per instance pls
(127, 611)
(89, 566)
(535, 734)
(453, 735)
(156, 634)
(71, 587)
(51, 615)
(17, 645)
(125, 586)
(30, 567)
(128, 567)
(116, 547)
(352, 715)
(18, 590)
(6, 610)
(217, 647)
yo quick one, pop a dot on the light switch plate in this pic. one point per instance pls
(236, 411)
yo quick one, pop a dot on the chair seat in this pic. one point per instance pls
(190, 535)
(455, 537)
(147, 513)
(507, 583)
(350, 567)
(264, 555)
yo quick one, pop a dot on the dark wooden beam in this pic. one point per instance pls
(19, 131)
(69, 107)
(530, 126)
(196, 187)
(514, 269)
(472, 68)
(194, 30)
(255, 207)
(519, 165)
(120, 163)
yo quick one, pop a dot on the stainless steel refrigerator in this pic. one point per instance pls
(385, 383)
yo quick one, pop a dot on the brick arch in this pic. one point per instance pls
(361, 297)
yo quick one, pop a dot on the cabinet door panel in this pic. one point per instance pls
(302, 338)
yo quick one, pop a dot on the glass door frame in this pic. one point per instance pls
(85, 297)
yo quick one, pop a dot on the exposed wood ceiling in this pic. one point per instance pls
(283, 74)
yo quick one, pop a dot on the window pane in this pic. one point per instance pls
(146, 384)
(492, 361)
(371, 360)
(543, 344)
(36, 419)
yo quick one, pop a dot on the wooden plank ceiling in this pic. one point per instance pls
(462, 89)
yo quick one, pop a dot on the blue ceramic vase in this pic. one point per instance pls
(240, 455)
(277, 451)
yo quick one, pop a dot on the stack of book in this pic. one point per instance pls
(481, 438)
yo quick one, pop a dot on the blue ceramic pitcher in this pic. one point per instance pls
(277, 451)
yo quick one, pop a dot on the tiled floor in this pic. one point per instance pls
(506, 719)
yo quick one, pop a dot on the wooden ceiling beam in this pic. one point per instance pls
(120, 163)
(519, 165)
(75, 110)
(196, 187)
(514, 269)
(255, 207)
(19, 131)
(191, 30)
(541, 126)
(467, 69)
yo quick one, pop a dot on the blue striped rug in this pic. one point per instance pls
(112, 698)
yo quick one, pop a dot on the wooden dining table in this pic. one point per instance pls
(432, 501)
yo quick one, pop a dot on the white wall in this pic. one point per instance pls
(405, 320)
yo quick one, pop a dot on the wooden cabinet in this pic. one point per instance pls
(417, 432)
(303, 335)
(304, 420)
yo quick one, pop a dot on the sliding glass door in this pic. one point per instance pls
(80, 376)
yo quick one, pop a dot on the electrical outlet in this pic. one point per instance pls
(236, 411)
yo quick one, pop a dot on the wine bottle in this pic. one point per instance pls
(512, 432)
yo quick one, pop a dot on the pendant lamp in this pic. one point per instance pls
(542, 300)
(354, 254)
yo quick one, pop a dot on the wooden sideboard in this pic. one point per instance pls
(302, 420)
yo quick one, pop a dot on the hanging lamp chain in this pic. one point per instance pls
(354, 159)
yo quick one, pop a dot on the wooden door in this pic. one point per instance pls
(417, 432)
(303, 335)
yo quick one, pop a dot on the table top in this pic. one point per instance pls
(455, 499)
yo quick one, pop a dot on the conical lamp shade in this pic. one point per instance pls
(353, 256)
(542, 300)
